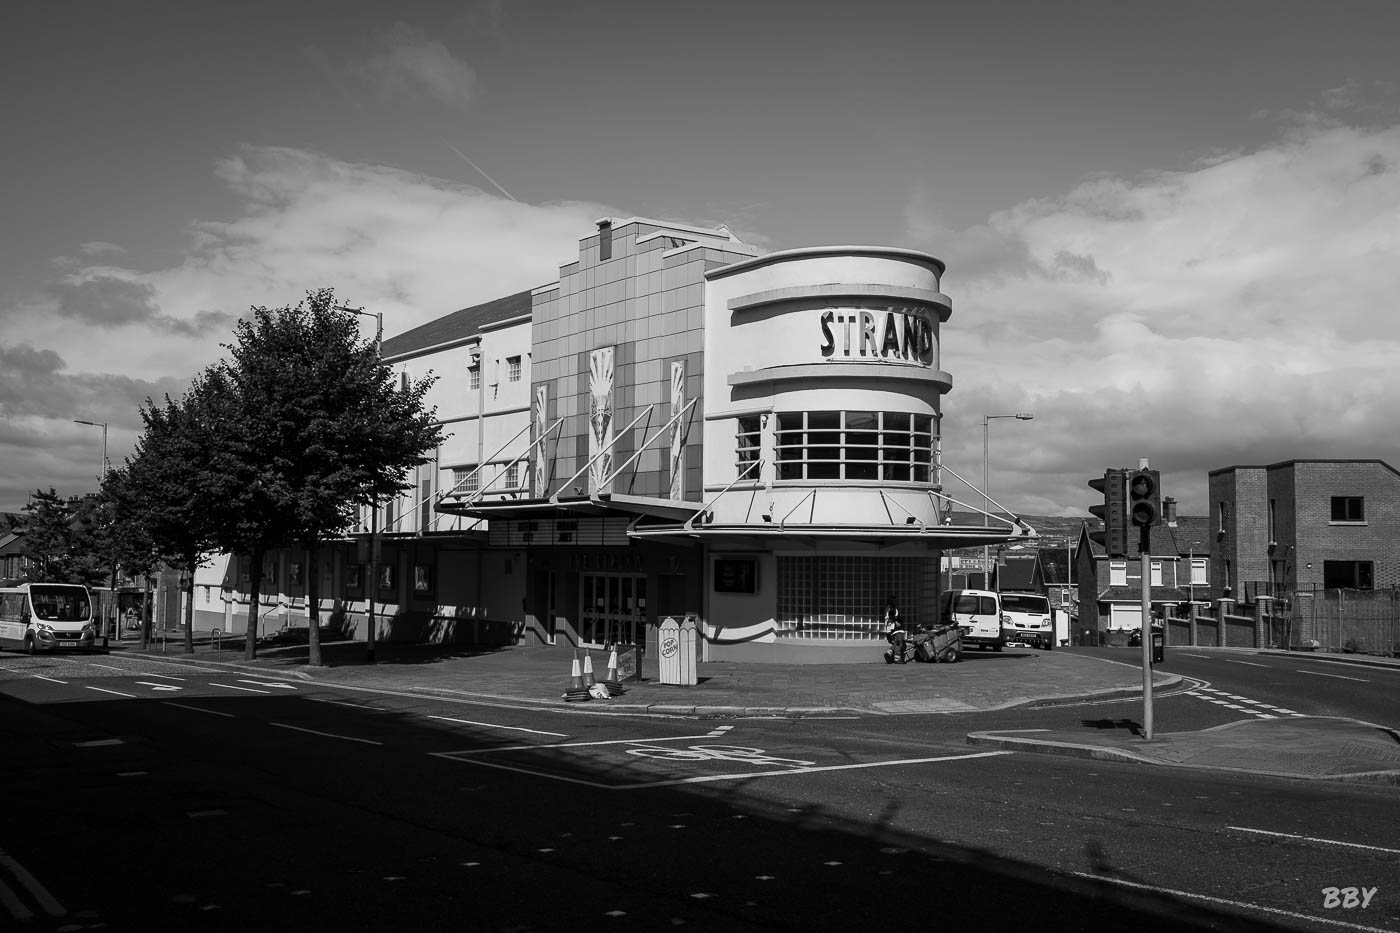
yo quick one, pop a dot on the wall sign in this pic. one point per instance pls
(736, 575)
(892, 334)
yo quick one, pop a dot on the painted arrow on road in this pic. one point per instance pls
(147, 683)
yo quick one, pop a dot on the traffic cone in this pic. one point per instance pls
(610, 678)
(577, 692)
(588, 680)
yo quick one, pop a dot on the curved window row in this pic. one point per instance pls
(855, 445)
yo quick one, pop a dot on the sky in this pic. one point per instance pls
(1171, 229)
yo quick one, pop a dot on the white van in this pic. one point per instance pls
(46, 616)
(1027, 620)
(978, 614)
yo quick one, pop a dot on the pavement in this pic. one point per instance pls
(1313, 748)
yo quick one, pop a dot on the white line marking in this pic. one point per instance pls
(94, 743)
(348, 738)
(1206, 656)
(492, 725)
(13, 905)
(49, 679)
(269, 683)
(1361, 680)
(106, 666)
(232, 687)
(1330, 842)
(535, 748)
(1220, 900)
(711, 778)
(198, 709)
(166, 676)
(147, 683)
(1250, 663)
(46, 900)
(129, 696)
(373, 709)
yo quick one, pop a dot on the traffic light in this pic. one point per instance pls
(1113, 513)
(1145, 498)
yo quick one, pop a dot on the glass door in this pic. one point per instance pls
(612, 609)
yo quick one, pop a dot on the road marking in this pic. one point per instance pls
(531, 748)
(129, 696)
(1361, 680)
(1220, 900)
(1187, 654)
(199, 709)
(492, 725)
(232, 687)
(269, 683)
(46, 900)
(49, 679)
(147, 683)
(1250, 663)
(348, 738)
(107, 667)
(710, 778)
(94, 743)
(359, 706)
(1330, 842)
(166, 676)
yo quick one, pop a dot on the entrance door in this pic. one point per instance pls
(612, 609)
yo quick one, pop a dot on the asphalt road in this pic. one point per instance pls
(158, 796)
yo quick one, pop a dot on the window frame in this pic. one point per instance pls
(1343, 505)
(513, 368)
(856, 446)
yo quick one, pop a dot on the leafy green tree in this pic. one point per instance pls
(139, 514)
(309, 425)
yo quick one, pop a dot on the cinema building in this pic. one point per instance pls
(752, 440)
(676, 426)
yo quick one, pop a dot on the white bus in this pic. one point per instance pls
(46, 617)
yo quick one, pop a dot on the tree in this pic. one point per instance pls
(308, 425)
(159, 498)
(63, 538)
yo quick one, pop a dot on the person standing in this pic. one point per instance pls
(894, 632)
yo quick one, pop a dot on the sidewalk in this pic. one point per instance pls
(1310, 748)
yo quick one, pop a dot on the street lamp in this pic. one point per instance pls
(102, 473)
(372, 583)
(986, 496)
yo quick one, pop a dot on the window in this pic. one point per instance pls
(1273, 516)
(1117, 573)
(513, 368)
(1156, 571)
(747, 444)
(855, 446)
(1223, 525)
(1348, 509)
(1347, 575)
(834, 596)
(466, 480)
(604, 242)
(1198, 571)
(513, 476)
(475, 372)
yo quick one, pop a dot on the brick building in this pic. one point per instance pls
(1304, 525)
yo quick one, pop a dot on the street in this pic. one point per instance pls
(160, 795)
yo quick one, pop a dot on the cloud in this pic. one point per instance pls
(410, 65)
(412, 246)
(1235, 311)
(99, 247)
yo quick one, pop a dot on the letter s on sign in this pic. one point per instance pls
(829, 345)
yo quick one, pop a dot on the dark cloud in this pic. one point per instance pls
(204, 323)
(34, 383)
(105, 301)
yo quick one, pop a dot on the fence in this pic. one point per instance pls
(1353, 621)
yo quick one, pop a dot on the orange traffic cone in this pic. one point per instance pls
(577, 692)
(610, 678)
(588, 680)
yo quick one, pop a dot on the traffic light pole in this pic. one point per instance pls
(1145, 555)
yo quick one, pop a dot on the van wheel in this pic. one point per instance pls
(996, 647)
(29, 647)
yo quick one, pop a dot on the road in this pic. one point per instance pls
(153, 795)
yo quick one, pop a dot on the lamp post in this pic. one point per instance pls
(372, 582)
(102, 473)
(101, 478)
(986, 496)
